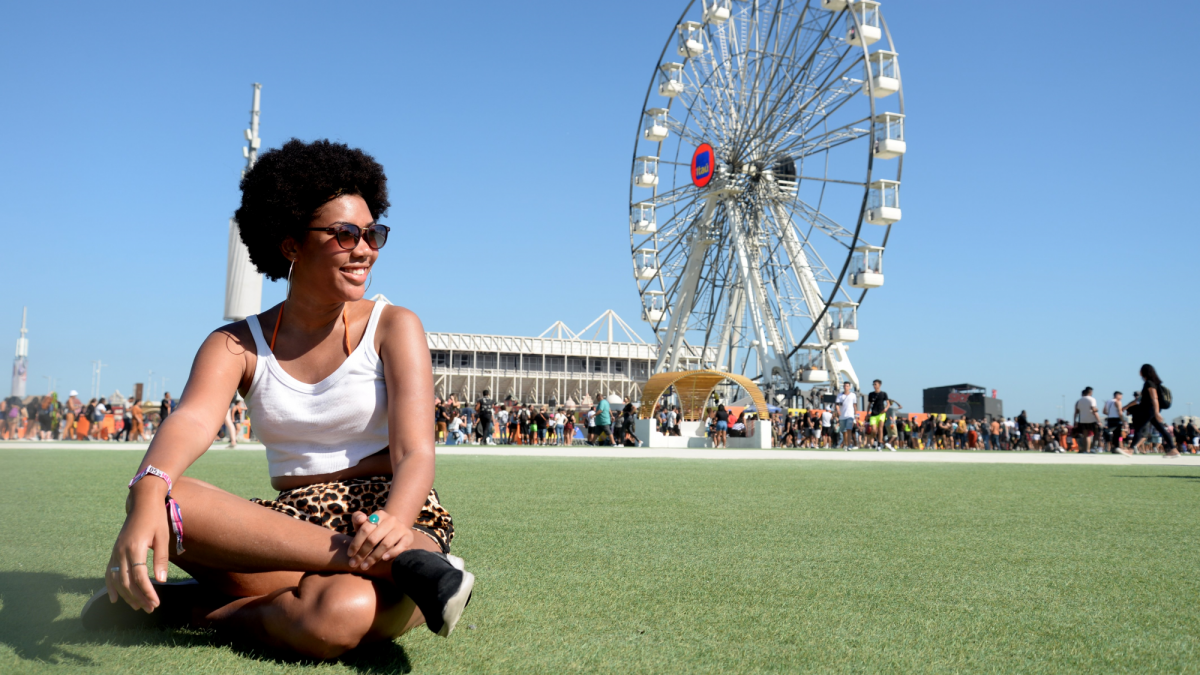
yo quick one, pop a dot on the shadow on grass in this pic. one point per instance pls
(1195, 478)
(31, 626)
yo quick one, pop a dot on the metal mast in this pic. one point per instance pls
(243, 283)
(21, 362)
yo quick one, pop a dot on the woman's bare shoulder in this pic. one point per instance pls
(397, 318)
(236, 337)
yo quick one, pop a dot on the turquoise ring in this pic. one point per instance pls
(374, 519)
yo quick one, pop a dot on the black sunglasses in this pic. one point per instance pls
(348, 234)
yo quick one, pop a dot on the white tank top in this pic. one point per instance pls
(311, 429)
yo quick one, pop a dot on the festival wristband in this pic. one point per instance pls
(173, 510)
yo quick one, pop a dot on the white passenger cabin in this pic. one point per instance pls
(882, 73)
(889, 135)
(717, 11)
(833, 5)
(812, 365)
(654, 306)
(641, 218)
(883, 202)
(670, 79)
(690, 42)
(645, 263)
(656, 125)
(844, 321)
(645, 172)
(867, 32)
(866, 270)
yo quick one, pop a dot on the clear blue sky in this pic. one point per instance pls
(1046, 243)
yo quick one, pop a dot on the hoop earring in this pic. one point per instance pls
(370, 278)
(289, 280)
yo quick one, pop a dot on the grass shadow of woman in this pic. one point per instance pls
(33, 626)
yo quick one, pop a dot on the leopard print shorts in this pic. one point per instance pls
(331, 506)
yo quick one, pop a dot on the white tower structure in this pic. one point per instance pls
(21, 362)
(243, 283)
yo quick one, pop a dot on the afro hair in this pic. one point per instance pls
(287, 186)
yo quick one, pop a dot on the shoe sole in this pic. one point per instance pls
(457, 603)
(122, 617)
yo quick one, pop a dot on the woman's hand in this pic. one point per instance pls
(381, 541)
(145, 529)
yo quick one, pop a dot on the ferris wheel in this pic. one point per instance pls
(765, 183)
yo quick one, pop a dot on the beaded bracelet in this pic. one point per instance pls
(173, 509)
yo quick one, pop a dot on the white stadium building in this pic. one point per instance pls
(558, 367)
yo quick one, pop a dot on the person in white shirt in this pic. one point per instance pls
(591, 425)
(1114, 419)
(847, 403)
(1087, 419)
(826, 422)
(456, 429)
(560, 421)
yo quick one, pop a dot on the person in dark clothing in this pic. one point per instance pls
(484, 408)
(1147, 413)
(722, 433)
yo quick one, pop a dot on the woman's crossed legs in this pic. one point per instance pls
(292, 579)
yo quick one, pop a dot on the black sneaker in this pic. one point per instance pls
(175, 609)
(440, 589)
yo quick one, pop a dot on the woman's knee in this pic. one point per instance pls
(336, 613)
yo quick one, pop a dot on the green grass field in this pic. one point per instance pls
(605, 565)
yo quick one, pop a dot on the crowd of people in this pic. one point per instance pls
(47, 418)
(1116, 426)
(1126, 428)
(510, 422)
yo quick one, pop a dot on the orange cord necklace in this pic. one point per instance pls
(345, 338)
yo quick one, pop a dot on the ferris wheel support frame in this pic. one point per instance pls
(691, 279)
(838, 361)
(766, 331)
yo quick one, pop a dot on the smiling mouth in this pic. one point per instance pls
(356, 272)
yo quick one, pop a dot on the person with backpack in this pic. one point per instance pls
(484, 409)
(1147, 412)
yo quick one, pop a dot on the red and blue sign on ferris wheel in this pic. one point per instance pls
(703, 165)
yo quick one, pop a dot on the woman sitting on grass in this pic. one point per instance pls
(354, 549)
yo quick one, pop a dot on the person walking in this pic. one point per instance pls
(1023, 430)
(1114, 420)
(603, 419)
(483, 408)
(1147, 412)
(137, 431)
(166, 407)
(847, 404)
(590, 420)
(1086, 420)
(879, 404)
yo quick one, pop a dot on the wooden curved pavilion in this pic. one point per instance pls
(694, 388)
